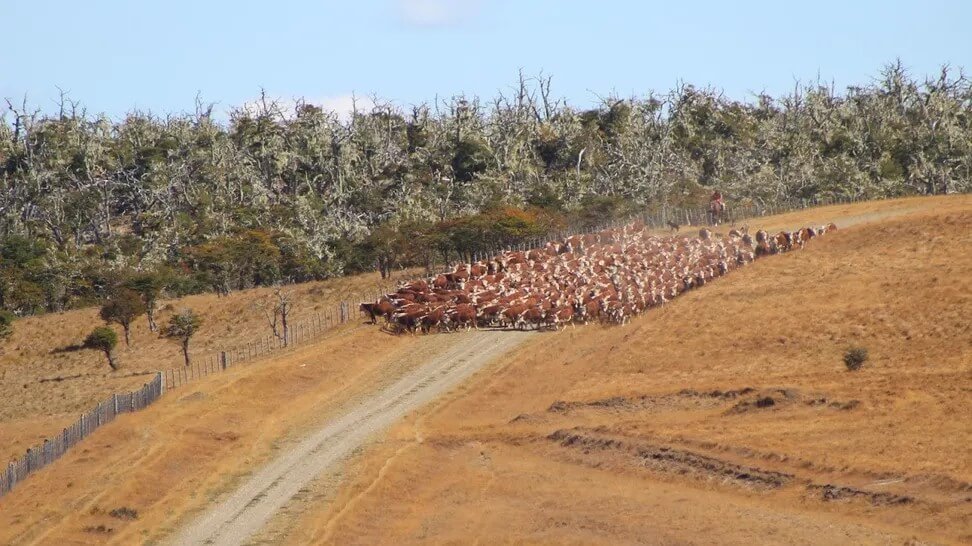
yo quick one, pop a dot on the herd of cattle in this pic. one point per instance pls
(607, 276)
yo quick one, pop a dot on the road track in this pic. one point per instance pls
(246, 510)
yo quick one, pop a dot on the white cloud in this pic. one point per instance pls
(344, 105)
(438, 13)
(341, 105)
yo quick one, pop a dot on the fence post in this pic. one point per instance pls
(222, 359)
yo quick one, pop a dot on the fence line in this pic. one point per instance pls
(52, 449)
(298, 333)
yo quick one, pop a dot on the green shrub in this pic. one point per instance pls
(103, 339)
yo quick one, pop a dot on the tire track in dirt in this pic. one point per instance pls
(250, 507)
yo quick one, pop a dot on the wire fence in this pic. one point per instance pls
(52, 449)
(297, 333)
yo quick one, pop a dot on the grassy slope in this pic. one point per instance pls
(464, 470)
(198, 442)
(482, 465)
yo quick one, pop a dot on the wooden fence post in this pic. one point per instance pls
(222, 359)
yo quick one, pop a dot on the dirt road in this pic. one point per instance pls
(246, 510)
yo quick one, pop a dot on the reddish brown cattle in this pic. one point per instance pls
(532, 315)
(563, 315)
(464, 316)
(407, 321)
(435, 318)
(609, 275)
(509, 315)
(370, 309)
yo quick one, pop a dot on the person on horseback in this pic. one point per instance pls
(717, 208)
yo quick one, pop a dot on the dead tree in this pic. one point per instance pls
(276, 308)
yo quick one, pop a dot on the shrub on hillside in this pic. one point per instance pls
(855, 357)
(103, 339)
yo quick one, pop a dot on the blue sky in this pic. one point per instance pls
(114, 56)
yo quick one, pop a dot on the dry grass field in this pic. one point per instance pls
(726, 417)
(198, 442)
(45, 387)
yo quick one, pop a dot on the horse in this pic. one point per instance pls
(717, 212)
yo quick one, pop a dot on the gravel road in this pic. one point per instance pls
(250, 507)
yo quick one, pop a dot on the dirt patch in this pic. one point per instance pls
(681, 400)
(668, 459)
(832, 493)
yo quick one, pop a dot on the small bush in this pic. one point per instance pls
(855, 357)
(103, 339)
(124, 513)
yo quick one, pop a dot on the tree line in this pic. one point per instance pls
(282, 192)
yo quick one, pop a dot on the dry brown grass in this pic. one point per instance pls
(170, 460)
(487, 466)
(481, 465)
(45, 388)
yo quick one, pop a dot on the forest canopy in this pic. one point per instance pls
(290, 192)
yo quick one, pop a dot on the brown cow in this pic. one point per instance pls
(370, 309)
(532, 315)
(464, 315)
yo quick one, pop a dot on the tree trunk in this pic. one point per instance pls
(128, 338)
(283, 319)
(111, 361)
(185, 350)
(150, 313)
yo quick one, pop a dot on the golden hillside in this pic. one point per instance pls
(728, 416)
